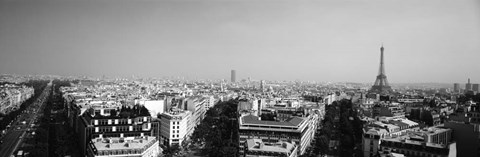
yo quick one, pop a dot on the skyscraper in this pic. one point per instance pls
(456, 87)
(468, 86)
(381, 83)
(233, 76)
(262, 85)
(221, 86)
(475, 87)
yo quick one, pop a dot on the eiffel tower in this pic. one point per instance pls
(381, 85)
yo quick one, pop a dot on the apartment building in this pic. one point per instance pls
(112, 122)
(371, 141)
(388, 111)
(146, 146)
(378, 130)
(298, 130)
(256, 147)
(175, 126)
(12, 96)
(413, 145)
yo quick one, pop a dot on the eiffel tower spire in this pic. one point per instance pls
(381, 71)
(381, 83)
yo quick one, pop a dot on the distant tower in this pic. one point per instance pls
(456, 87)
(381, 83)
(475, 87)
(221, 87)
(262, 85)
(233, 76)
(468, 86)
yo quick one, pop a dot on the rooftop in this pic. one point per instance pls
(123, 112)
(280, 147)
(433, 130)
(120, 143)
(251, 119)
(414, 139)
(176, 112)
(398, 123)
(386, 125)
(376, 131)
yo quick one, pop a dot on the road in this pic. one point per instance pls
(17, 132)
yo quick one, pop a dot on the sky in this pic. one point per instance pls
(308, 40)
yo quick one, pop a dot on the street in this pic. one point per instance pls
(23, 125)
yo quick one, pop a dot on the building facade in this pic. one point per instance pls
(146, 146)
(468, 86)
(475, 87)
(299, 130)
(256, 147)
(105, 122)
(12, 96)
(175, 127)
(411, 147)
(456, 87)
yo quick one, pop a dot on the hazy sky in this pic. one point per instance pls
(321, 40)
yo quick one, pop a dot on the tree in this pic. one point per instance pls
(39, 150)
(218, 130)
(321, 146)
(348, 129)
(41, 135)
(172, 150)
(113, 113)
(61, 150)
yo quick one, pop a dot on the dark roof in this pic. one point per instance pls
(251, 119)
(399, 123)
(295, 120)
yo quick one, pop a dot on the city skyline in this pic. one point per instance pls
(336, 41)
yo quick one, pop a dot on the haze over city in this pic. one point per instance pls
(239, 78)
(425, 41)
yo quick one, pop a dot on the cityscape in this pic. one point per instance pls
(239, 78)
